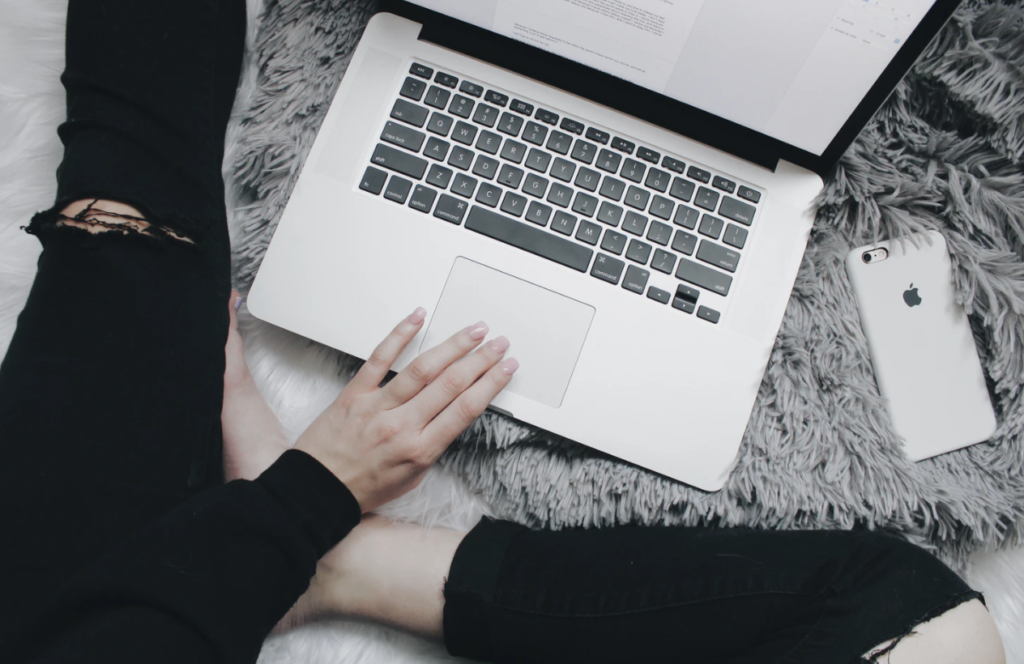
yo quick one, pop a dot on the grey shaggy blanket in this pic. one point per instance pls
(943, 153)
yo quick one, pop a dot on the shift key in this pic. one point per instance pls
(705, 277)
(399, 161)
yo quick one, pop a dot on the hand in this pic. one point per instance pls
(380, 440)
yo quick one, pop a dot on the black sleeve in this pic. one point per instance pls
(205, 583)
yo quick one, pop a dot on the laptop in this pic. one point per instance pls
(623, 188)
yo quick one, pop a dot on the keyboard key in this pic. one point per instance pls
(510, 124)
(648, 154)
(601, 137)
(538, 160)
(488, 194)
(563, 223)
(521, 107)
(684, 292)
(535, 185)
(373, 180)
(638, 252)
(673, 165)
(563, 169)
(683, 305)
(439, 176)
(407, 112)
(735, 236)
(437, 97)
(749, 194)
(636, 279)
(711, 226)
(709, 315)
(623, 145)
(658, 180)
(637, 198)
(703, 276)
(584, 151)
(728, 186)
(450, 209)
(485, 167)
(510, 176)
(513, 151)
(535, 133)
(464, 185)
(422, 198)
(635, 223)
(462, 107)
(686, 217)
(441, 124)
(514, 204)
(436, 149)
(403, 136)
(660, 233)
(546, 117)
(588, 233)
(534, 240)
(447, 80)
(495, 97)
(588, 179)
(664, 261)
(614, 242)
(699, 174)
(585, 204)
(485, 115)
(719, 256)
(609, 161)
(559, 142)
(609, 214)
(560, 195)
(706, 199)
(471, 89)
(633, 170)
(489, 142)
(682, 189)
(607, 269)
(684, 242)
(572, 126)
(464, 133)
(413, 89)
(461, 158)
(612, 188)
(399, 161)
(737, 211)
(538, 213)
(662, 208)
(422, 71)
(658, 295)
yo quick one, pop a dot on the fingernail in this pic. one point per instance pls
(509, 366)
(499, 344)
(238, 303)
(417, 316)
(478, 331)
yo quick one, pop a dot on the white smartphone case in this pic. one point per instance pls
(924, 356)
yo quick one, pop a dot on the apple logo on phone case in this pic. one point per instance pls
(911, 297)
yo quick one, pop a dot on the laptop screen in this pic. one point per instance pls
(794, 70)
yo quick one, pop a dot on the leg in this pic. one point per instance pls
(110, 392)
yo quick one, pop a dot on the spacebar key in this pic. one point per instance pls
(529, 238)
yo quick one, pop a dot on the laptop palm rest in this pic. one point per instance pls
(547, 330)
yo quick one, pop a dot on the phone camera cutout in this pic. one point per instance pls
(875, 255)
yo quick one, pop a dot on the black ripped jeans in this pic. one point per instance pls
(110, 398)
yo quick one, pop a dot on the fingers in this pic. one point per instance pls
(429, 365)
(455, 380)
(460, 413)
(384, 355)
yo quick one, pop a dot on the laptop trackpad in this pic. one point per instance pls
(547, 330)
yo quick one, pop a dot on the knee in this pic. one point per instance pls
(965, 633)
(102, 216)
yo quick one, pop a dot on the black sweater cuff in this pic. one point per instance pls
(315, 498)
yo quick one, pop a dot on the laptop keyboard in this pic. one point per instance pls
(563, 190)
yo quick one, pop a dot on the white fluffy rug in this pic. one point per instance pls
(298, 378)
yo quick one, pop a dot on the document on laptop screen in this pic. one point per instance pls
(791, 69)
